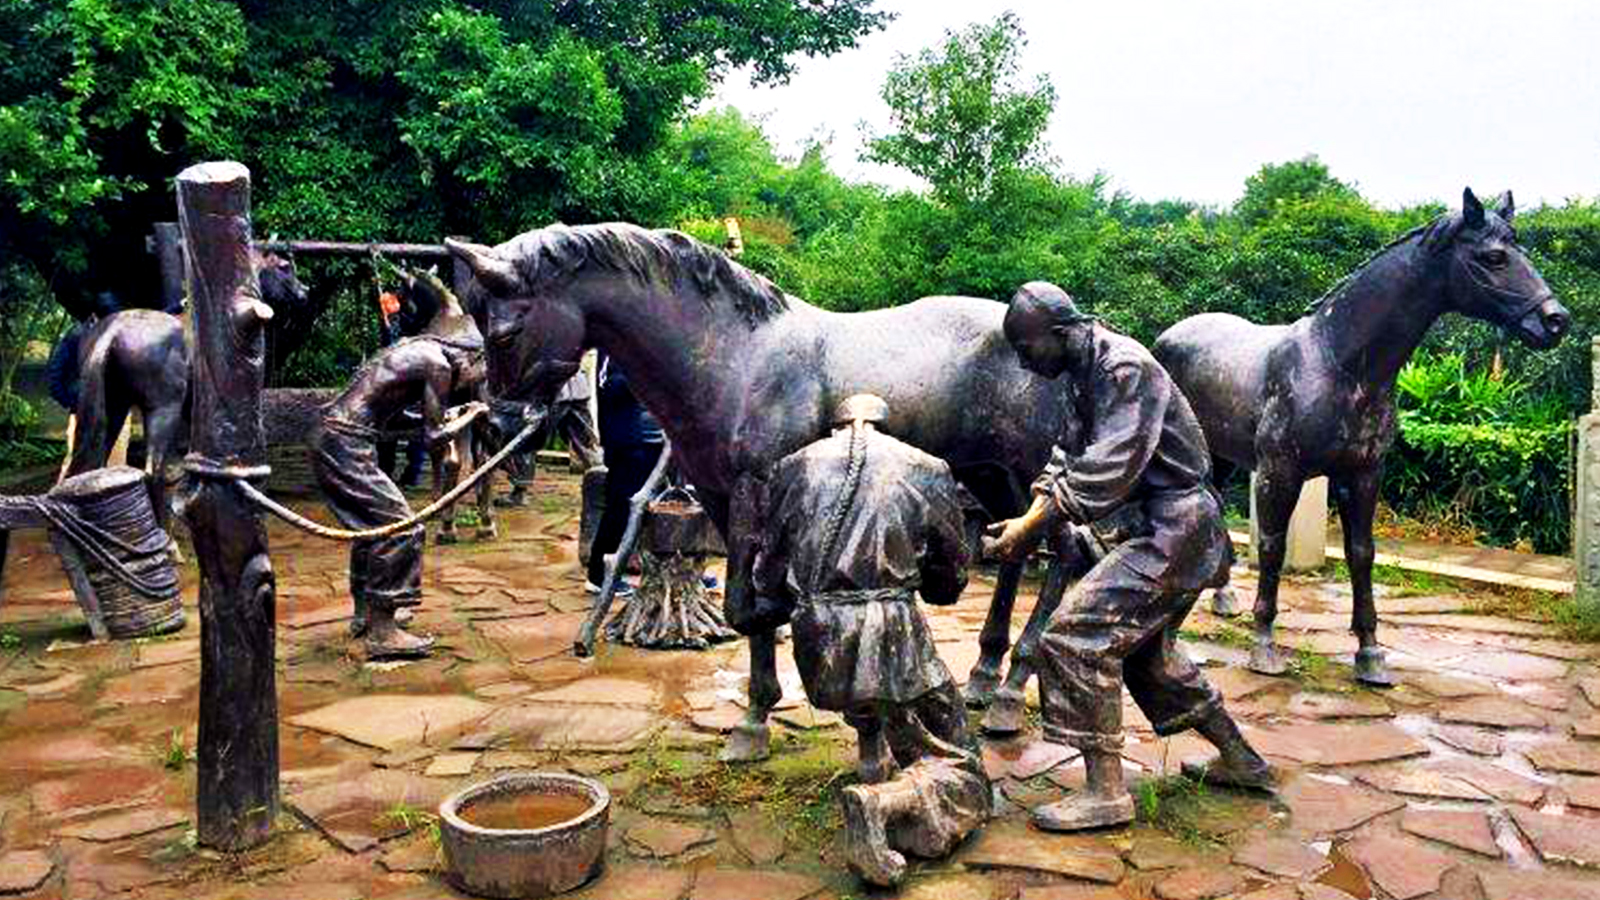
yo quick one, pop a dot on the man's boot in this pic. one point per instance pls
(385, 639)
(1237, 763)
(866, 837)
(1103, 803)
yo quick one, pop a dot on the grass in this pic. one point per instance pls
(175, 754)
(795, 786)
(1577, 616)
(10, 640)
(1406, 582)
(411, 819)
(1175, 805)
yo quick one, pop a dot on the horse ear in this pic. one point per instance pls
(496, 272)
(1471, 209)
(1506, 208)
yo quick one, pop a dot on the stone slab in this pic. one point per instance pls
(389, 721)
(124, 825)
(1403, 868)
(1336, 743)
(1495, 712)
(1000, 847)
(1359, 705)
(451, 765)
(564, 727)
(748, 884)
(1511, 665)
(664, 838)
(1566, 756)
(756, 836)
(1467, 829)
(1564, 839)
(602, 692)
(1023, 761)
(1494, 780)
(1509, 884)
(1420, 782)
(637, 882)
(1201, 884)
(1470, 740)
(358, 813)
(1322, 808)
(24, 870)
(1281, 856)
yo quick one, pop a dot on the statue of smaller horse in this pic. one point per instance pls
(137, 359)
(1316, 397)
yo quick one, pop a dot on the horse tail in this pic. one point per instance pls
(92, 438)
(857, 463)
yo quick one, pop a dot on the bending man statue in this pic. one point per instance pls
(386, 572)
(1139, 444)
(856, 525)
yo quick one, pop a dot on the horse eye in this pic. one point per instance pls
(1496, 258)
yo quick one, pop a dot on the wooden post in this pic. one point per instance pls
(238, 744)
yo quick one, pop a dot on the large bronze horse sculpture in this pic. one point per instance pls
(137, 359)
(741, 374)
(1316, 397)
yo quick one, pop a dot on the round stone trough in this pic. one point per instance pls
(486, 858)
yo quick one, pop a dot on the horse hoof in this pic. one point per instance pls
(980, 689)
(1372, 669)
(1005, 715)
(488, 534)
(747, 743)
(1223, 603)
(1266, 660)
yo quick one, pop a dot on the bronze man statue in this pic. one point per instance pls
(1138, 444)
(856, 525)
(386, 573)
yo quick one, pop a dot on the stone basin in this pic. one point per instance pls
(493, 860)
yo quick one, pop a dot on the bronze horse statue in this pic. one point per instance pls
(1316, 397)
(138, 359)
(741, 374)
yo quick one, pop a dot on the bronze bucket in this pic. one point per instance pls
(116, 556)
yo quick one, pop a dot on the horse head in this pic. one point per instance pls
(281, 288)
(1489, 277)
(535, 337)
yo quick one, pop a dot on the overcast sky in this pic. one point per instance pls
(1409, 99)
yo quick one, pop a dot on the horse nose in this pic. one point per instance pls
(1555, 317)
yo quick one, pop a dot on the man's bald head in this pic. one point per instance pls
(1041, 324)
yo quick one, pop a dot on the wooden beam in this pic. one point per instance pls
(238, 744)
(347, 248)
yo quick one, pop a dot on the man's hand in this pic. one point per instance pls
(1013, 539)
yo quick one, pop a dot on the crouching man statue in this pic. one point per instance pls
(856, 525)
(1140, 445)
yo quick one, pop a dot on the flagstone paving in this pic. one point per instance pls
(1478, 778)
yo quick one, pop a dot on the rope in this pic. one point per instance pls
(856, 461)
(92, 539)
(241, 476)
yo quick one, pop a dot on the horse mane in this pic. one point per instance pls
(1434, 236)
(548, 257)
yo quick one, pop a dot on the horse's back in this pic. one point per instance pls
(954, 386)
(1219, 361)
(144, 350)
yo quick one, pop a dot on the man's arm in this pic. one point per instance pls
(1130, 413)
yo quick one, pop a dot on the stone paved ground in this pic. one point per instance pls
(1477, 779)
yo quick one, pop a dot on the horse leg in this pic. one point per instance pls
(750, 740)
(445, 471)
(995, 639)
(479, 453)
(1007, 709)
(1224, 602)
(160, 434)
(1276, 494)
(1357, 498)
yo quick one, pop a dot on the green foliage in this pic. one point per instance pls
(17, 417)
(1278, 185)
(1482, 449)
(962, 116)
(174, 755)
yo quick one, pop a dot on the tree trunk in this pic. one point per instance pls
(238, 743)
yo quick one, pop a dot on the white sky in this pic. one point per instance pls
(1409, 99)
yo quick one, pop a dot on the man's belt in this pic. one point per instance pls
(859, 597)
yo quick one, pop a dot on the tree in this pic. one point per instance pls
(963, 117)
(405, 119)
(1275, 185)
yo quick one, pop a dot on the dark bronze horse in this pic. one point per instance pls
(741, 374)
(1316, 397)
(137, 359)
